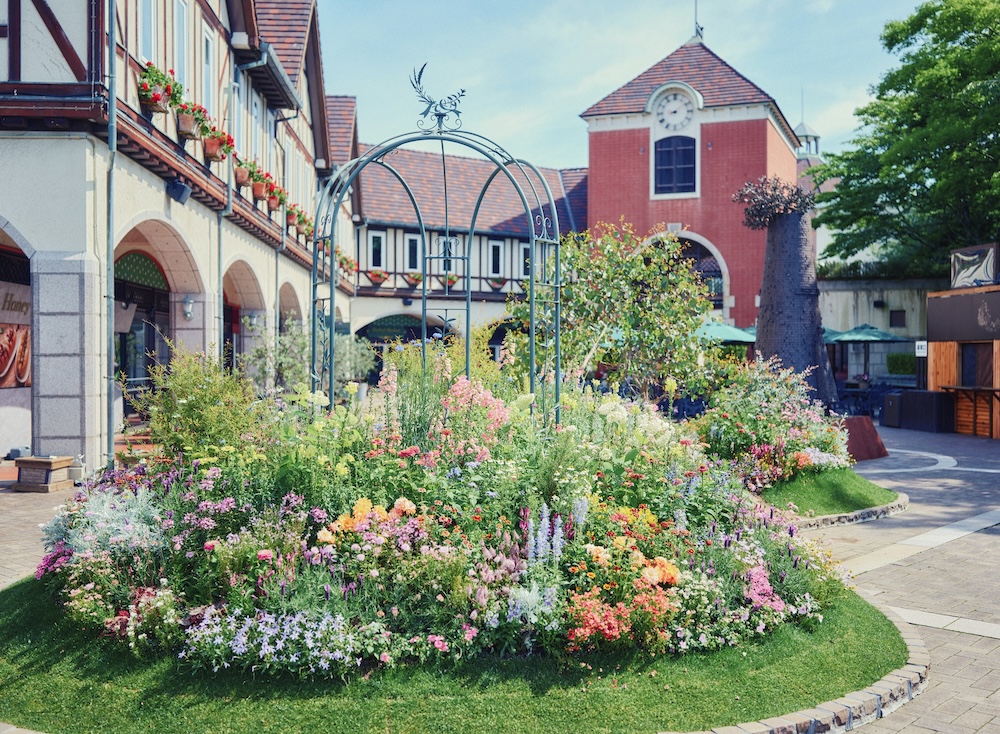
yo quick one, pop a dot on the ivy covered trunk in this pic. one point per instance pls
(788, 324)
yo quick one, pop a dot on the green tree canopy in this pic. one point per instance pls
(923, 177)
(632, 303)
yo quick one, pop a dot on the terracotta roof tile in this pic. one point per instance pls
(695, 64)
(502, 213)
(285, 25)
(342, 120)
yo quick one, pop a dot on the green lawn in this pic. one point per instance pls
(828, 493)
(58, 679)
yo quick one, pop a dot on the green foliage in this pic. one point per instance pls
(901, 363)
(766, 419)
(281, 364)
(631, 303)
(198, 407)
(923, 177)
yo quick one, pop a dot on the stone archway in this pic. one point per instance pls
(712, 266)
(243, 311)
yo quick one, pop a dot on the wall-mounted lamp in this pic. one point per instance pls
(252, 320)
(407, 301)
(878, 303)
(178, 191)
(187, 307)
(323, 291)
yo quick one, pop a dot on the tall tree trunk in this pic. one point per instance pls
(788, 324)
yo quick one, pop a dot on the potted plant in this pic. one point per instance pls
(448, 280)
(276, 196)
(496, 282)
(259, 179)
(345, 261)
(192, 120)
(217, 143)
(158, 90)
(304, 222)
(243, 172)
(292, 215)
(377, 276)
(414, 279)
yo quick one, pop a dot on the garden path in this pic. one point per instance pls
(935, 565)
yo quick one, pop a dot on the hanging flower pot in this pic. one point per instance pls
(213, 149)
(292, 219)
(378, 277)
(273, 202)
(259, 190)
(413, 279)
(449, 280)
(241, 177)
(188, 126)
(496, 283)
(301, 227)
(154, 99)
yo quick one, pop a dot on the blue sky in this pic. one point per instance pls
(530, 67)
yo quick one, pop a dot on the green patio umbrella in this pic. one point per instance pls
(716, 331)
(866, 334)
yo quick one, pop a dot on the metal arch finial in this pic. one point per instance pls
(441, 109)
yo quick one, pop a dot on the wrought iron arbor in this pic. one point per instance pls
(440, 123)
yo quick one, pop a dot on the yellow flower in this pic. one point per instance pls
(325, 536)
(361, 508)
(341, 469)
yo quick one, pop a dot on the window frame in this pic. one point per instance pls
(148, 18)
(382, 253)
(676, 167)
(181, 51)
(495, 250)
(412, 264)
(208, 69)
(525, 260)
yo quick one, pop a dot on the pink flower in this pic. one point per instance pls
(264, 555)
(210, 545)
(384, 657)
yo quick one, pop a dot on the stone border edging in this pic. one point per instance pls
(847, 518)
(855, 709)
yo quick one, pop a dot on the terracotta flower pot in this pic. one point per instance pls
(301, 228)
(241, 176)
(187, 126)
(273, 203)
(258, 191)
(413, 279)
(377, 279)
(213, 149)
(156, 101)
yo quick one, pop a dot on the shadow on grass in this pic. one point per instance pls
(57, 678)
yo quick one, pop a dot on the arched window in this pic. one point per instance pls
(675, 169)
(708, 268)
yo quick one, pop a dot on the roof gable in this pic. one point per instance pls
(342, 118)
(285, 25)
(695, 64)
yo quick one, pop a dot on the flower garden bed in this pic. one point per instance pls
(448, 523)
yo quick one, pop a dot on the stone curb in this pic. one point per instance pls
(856, 709)
(848, 518)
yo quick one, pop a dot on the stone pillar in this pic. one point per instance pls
(69, 390)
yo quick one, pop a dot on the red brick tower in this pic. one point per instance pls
(673, 145)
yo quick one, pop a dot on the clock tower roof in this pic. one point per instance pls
(719, 84)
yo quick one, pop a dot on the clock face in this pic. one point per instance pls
(674, 111)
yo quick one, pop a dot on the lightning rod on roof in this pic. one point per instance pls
(699, 30)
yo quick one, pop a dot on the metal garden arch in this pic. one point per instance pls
(444, 128)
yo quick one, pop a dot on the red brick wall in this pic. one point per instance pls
(731, 154)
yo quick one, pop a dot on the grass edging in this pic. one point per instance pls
(859, 707)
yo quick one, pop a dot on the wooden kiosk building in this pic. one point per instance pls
(963, 334)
